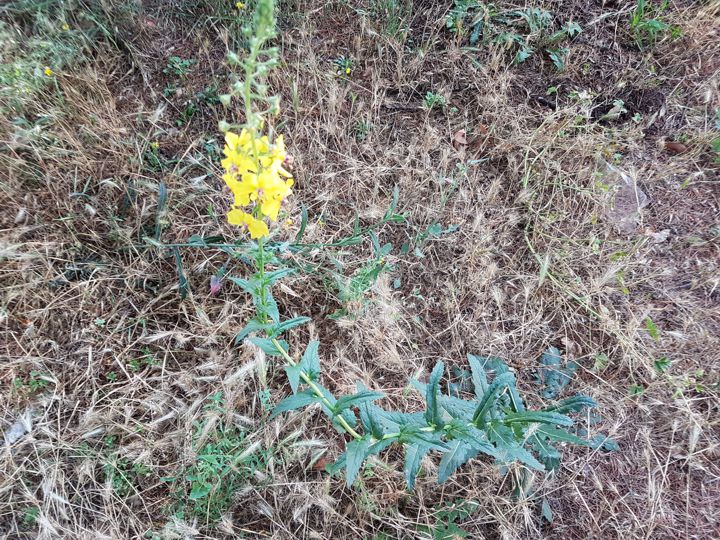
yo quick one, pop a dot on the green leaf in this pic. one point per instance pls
(371, 416)
(276, 275)
(553, 375)
(479, 377)
(296, 401)
(199, 490)
(509, 449)
(355, 453)
(575, 403)
(549, 455)
(290, 324)
(338, 465)
(459, 453)
(604, 443)
(458, 408)
(546, 510)
(560, 435)
(270, 306)
(303, 223)
(662, 364)
(488, 401)
(413, 458)
(541, 417)
(433, 413)
(393, 204)
(499, 367)
(310, 362)
(353, 400)
(293, 375)
(161, 216)
(268, 346)
(249, 286)
(183, 285)
(652, 329)
(253, 325)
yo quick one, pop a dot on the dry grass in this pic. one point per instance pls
(535, 262)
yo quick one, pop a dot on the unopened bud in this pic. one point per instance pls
(225, 99)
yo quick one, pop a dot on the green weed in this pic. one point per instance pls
(433, 100)
(179, 67)
(224, 463)
(521, 31)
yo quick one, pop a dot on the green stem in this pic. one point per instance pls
(314, 387)
(261, 275)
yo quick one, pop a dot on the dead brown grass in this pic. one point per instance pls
(535, 262)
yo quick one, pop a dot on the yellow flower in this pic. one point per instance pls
(154, 145)
(48, 71)
(347, 71)
(240, 5)
(256, 227)
(66, 26)
(254, 171)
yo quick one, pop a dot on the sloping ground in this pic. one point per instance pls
(523, 231)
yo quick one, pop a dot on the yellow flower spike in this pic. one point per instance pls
(256, 227)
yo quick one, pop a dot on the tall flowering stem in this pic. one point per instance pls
(254, 165)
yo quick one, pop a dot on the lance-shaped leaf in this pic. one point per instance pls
(479, 377)
(296, 401)
(560, 435)
(355, 453)
(499, 367)
(268, 347)
(433, 413)
(249, 287)
(575, 403)
(293, 375)
(273, 277)
(458, 408)
(413, 458)
(540, 417)
(549, 455)
(354, 400)
(310, 362)
(372, 417)
(488, 400)
(289, 324)
(459, 453)
(253, 325)
(508, 448)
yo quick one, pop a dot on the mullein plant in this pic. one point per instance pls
(493, 421)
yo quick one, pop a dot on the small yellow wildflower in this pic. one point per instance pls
(66, 27)
(48, 72)
(289, 222)
(154, 145)
(256, 227)
(347, 71)
(240, 5)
